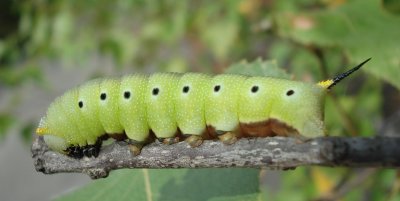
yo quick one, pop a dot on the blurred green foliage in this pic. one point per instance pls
(311, 39)
(6, 121)
(359, 28)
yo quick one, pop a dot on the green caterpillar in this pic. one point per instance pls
(194, 106)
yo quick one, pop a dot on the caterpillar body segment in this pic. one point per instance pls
(160, 104)
(108, 108)
(259, 98)
(132, 113)
(307, 108)
(222, 102)
(88, 104)
(68, 104)
(192, 104)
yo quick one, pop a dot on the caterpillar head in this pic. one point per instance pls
(54, 142)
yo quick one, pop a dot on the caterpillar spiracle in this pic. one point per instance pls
(190, 106)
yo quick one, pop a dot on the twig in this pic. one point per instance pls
(270, 152)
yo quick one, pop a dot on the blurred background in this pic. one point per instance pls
(47, 47)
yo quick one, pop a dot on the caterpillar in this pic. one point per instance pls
(190, 106)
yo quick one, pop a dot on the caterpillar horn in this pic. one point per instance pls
(328, 84)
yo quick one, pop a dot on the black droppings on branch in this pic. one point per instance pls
(269, 152)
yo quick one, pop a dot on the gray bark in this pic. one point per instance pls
(270, 152)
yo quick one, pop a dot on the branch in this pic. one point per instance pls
(271, 152)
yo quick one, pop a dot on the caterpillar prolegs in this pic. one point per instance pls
(174, 106)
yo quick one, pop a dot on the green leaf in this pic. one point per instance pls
(361, 28)
(249, 197)
(172, 184)
(258, 68)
